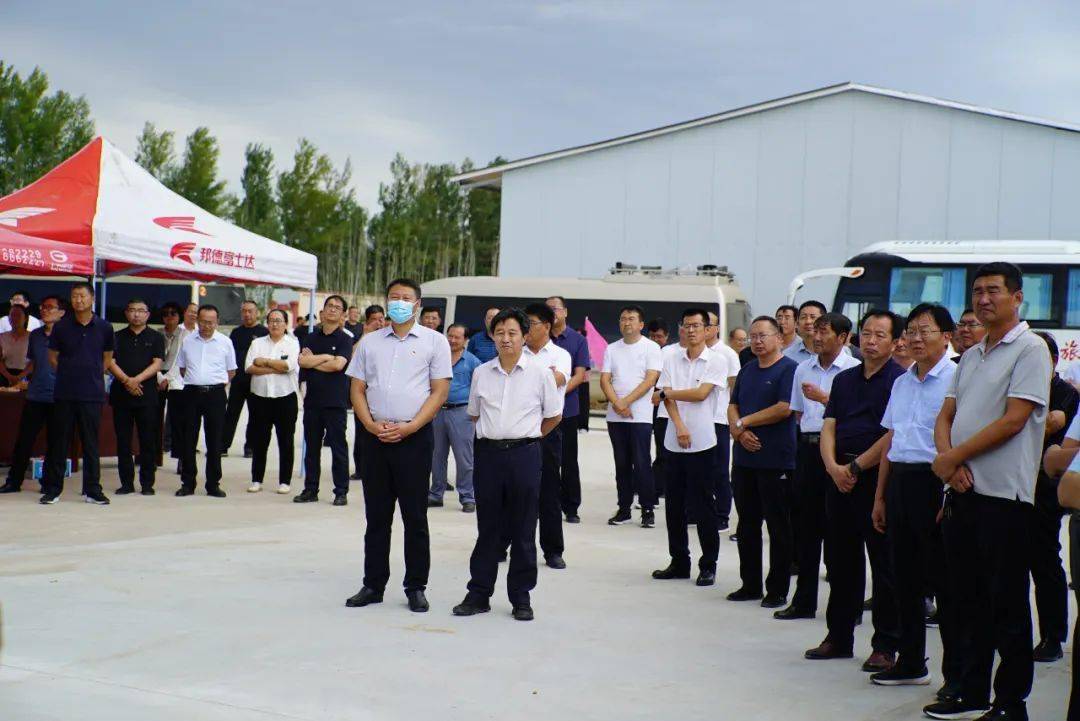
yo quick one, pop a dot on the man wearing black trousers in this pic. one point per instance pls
(722, 467)
(207, 362)
(134, 396)
(761, 422)
(989, 438)
(80, 349)
(325, 353)
(689, 384)
(573, 343)
(851, 443)
(400, 379)
(240, 389)
(515, 403)
(374, 319)
(658, 333)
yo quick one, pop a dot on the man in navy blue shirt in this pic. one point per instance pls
(573, 343)
(763, 428)
(480, 344)
(80, 348)
(39, 393)
(852, 440)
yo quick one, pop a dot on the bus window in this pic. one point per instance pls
(1038, 292)
(1072, 300)
(911, 286)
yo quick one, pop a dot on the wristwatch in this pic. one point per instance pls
(663, 395)
(739, 424)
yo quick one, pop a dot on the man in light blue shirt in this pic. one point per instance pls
(802, 348)
(909, 497)
(453, 428)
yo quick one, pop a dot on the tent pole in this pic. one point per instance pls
(311, 329)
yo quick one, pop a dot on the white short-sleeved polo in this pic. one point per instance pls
(551, 357)
(682, 373)
(628, 363)
(661, 410)
(398, 371)
(723, 395)
(511, 406)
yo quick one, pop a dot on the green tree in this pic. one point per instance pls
(37, 130)
(484, 208)
(154, 151)
(196, 176)
(258, 209)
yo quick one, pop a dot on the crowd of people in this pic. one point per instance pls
(942, 451)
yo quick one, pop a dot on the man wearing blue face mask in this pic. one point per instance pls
(400, 380)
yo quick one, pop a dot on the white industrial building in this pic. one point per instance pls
(777, 188)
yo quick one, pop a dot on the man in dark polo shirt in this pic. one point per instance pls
(80, 348)
(133, 395)
(240, 388)
(852, 439)
(324, 354)
(573, 343)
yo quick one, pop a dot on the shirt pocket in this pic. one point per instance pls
(926, 410)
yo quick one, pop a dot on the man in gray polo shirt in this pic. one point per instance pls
(989, 437)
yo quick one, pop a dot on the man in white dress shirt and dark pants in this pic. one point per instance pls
(515, 402)
(207, 362)
(401, 377)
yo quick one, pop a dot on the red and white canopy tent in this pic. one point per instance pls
(34, 256)
(105, 203)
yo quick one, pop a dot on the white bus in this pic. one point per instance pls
(661, 293)
(899, 275)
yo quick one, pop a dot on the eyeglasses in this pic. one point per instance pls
(760, 336)
(969, 324)
(50, 307)
(693, 326)
(923, 333)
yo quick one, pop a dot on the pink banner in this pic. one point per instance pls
(597, 345)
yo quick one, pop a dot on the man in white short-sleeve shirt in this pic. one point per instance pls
(688, 382)
(722, 467)
(631, 369)
(989, 438)
(400, 379)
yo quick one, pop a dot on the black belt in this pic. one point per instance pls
(205, 389)
(813, 439)
(454, 405)
(504, 444)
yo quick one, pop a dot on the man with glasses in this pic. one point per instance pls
(133, 396)
(851, 443)
(908, 499)
(39, 394)
(324, 354)
(573, 343)
(20, 298)
(969, 333)
(240, 388)
(763, 427)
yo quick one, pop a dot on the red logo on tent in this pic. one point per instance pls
(181, 251)
(185, 223)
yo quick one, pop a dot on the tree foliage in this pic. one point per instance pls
(196, 176)
(154, 151)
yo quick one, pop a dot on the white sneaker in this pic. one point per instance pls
(283, 488)
(254, 488)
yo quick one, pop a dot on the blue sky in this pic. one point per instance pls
(439, 81)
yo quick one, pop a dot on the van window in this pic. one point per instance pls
(908, 287)
(738, 315)
(1072, 300)
(1038, 295)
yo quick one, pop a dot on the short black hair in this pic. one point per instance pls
(691, 312)
(839, 323)
(514, 314)
(1014, 277)
(968, 311)
(133, 301)
(284, 314)
(208, 306)
(541, 311)
(812, 304)
(793, 309)
(941, 315)
(407, 282)
(1051, 343)
(338, 298)
(894, 320)
(248, 300)
(463, 327)
(85, 286)
(372, 310)
(60, 302)
(657, 324)
(771, 320)
(170, 305)
(632, 308)
(24, 293)
(431, 309)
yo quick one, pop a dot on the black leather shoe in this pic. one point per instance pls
(434, 503)
(523, 612)
(417, 601)
(10, 487)
(247, 453)
(472, 605)
(355, 477)
(215, 492)
(341, 500)
(573, 518)
(364, 597)
(791, 614)
(1047, 651)
(671, 572)
(306, 496)
(185, 491)
(124, 490)
(743, 595)
(555, 560)
(468, 507)
(773, 601)
(147, 491)
(706, 578)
